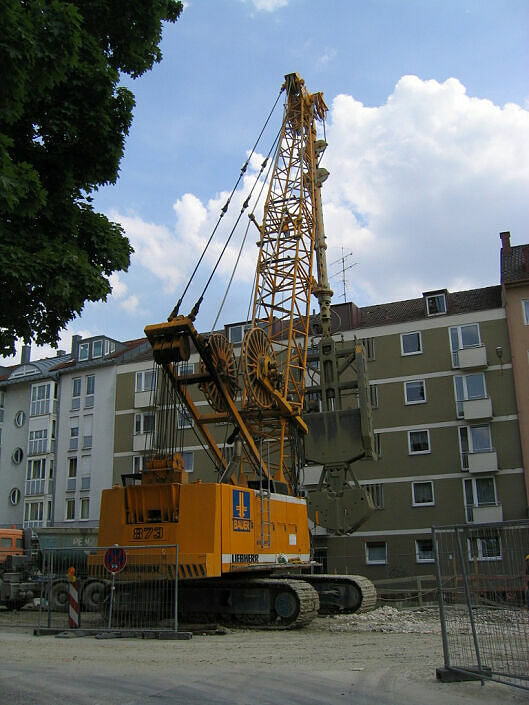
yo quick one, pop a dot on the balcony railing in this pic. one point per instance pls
(477, 409)
(471, 357)
(484, 513)
(35, 487)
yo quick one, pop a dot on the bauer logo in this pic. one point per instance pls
(241, 511)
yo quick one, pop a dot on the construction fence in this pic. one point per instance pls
(114, 588)
(482, 583)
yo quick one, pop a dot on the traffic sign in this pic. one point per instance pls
(115, 559)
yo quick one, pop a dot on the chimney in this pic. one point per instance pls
(25, 354)
(76, 339)
(60, 353)
(506, 242)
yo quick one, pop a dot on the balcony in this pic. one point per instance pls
(141, 441)
(35, 487)
(473, 357)
(477, 409)
(483, 461)
(485, 513)
(142, 399)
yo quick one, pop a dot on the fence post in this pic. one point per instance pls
(176, 590)
(468, 595)
(446, 650)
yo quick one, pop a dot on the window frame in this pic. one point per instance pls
(439, 297)
(69, 502)
(525, 311)
(371, 544)
(418, 559)
(83, 352)
(414, 501)
(419, 452)
(413, 352)
(411, 402)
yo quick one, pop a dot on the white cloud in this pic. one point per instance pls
(119, 288)
(328, 55)
(268, 5)
(421, 186)
(418, 190)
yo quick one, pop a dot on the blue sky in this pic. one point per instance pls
(428, 131)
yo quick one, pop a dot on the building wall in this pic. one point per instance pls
(12, 474)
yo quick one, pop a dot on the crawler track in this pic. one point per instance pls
(343, 594)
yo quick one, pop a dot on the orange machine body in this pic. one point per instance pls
(219, 528)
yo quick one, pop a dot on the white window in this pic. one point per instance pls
(474, 439)
(84, 351)
(87, 431)
(422, 494)
(38, 441)
(71, 480)
(479, 492)
(97, 348)
(469, 387)
(85, 508)
(145, 380)
(462, 337)
(411, 343)
(85, 482)
(235, 333)
(376, 552)
(415, 391)
(188, 458)
(369, 345)
(424, 550)
(20, 419)
(40, 399)
(138, 464)
(525, 310)
(110, 347)
(74, 434)
(376, 491)
(143, 423)
(90, 391)
(373, 395)
(184, 418)
(33, 513)
(419, 442)
(484, 548)
(36, 477)
(14, 496)
(76, 394)
(85, 472)
(436, 304)
(70, 509)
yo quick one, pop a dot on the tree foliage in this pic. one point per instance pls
(63, 122)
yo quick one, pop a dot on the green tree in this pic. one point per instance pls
(63, 122)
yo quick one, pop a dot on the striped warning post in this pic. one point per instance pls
(73, 599)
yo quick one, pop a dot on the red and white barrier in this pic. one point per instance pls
(73, 599)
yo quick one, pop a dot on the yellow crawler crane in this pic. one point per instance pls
(244, 539)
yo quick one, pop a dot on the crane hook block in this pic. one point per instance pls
(169, 341)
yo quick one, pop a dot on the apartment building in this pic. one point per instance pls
(57, 422)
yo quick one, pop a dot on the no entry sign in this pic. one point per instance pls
(115, 559)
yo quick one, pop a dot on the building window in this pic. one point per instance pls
(14, 496)
(138, 464)
(38, 442)
(484, 548)
(85, 482)
(422, 494)
(184, 418)
(419, 442)
(90, 391)
(525, 309)
(17, 456)
(376, 553)
(85, 508)
(87, 431)
(40, 399)
(145, 380)
(188, 458)
(71, 480)
(474, 439)
(462, 337)
(373, 395)
(435, 303)
(411, 343)
(468, 387)
(36, 477)
(143, 423)
(415, 391)
(110, 347)
(479, 492)
(376, 491)
(424, 551)
(378, 445)
(70, 509)
(33, 513)
(369, 345)
(97, 348)
(20, 419)
(74, 434)
(76, 394)
(235, 333)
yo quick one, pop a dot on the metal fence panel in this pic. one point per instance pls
(132, 588)
(482, 584)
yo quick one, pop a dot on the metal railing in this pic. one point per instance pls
(482, 583)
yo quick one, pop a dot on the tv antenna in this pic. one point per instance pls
(345, 265)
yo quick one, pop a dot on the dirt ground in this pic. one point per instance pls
(396, 648)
